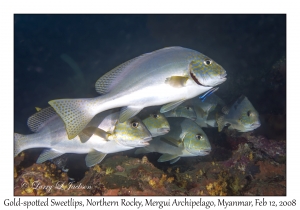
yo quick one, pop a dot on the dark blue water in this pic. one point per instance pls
(251, 48)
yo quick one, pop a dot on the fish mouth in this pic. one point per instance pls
(146, 139)
(222, 78)
(145, 144)
(255, 125)
(193, 117)
(163, 130)
(205, 151)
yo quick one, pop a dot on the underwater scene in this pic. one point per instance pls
(157, 105)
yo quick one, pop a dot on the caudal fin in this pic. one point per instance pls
(18, 143)
(76, 114)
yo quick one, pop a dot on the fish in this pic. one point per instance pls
(182, 111)
(49, 132)
(155, 122)
(185, 139)
(208, 93)
(201, 111)
(166, 77)
(241, 116)
(206, 110)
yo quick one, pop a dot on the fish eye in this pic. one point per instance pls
(188, 108)
(207, 62)
(134, 124)
(154, 115)
(249, 113)
(199, 136)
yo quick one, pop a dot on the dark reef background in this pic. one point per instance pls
(251, 48)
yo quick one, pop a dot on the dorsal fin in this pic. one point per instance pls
(102, 85)
(37, 120)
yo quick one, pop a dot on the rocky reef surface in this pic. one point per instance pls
(239, 164)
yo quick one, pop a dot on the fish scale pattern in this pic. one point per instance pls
(102, 85)
(37, 121)
(73, 115)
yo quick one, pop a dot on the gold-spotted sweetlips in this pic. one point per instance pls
(167, 77)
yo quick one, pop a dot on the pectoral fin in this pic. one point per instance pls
(48, 154)
(89, 131)
(170, 106)
(171, 141)
(128, 112)
(166, 157)
(94, 157)
(176, 81)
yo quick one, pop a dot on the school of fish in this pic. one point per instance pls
(150, 102)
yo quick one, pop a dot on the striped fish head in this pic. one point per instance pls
(195, 140)
(245, 114)
(157, 124)
(132, 133)
(206, 72)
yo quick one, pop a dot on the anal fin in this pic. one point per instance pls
(166, 157)
(174, 160)
(94, 157)
(48, 154)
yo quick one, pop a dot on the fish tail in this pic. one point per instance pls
(76, 113)
(19, 142)
(221, 123)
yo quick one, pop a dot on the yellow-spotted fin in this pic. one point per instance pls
(105, 83)
(38, 120)
(74, 114)
(38, 109)
(48, 154)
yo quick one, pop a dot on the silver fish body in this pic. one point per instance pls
(168, 76)
(50, 133)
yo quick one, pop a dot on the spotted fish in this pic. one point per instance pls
(167, 77)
